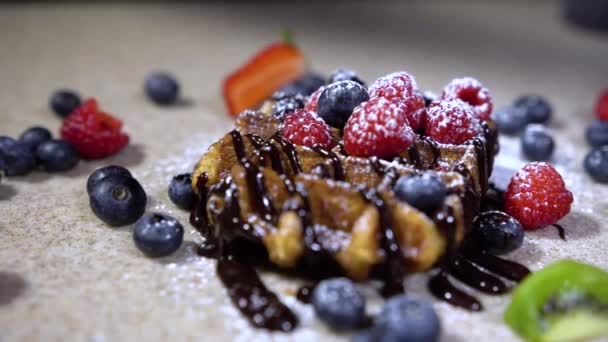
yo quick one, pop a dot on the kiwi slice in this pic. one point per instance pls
(565, 301)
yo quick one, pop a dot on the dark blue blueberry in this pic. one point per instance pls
(17, 159)
(404, 319)
(305, 85)
(344, 75)
(118, 200)
(6, 142)
(158, 235)
(425, 192)
(162, 88)
(34, 136)
(287, 105)
(538, 109)
(180, 191)
(510, 120)
(597, 133)
(104, 172)
(57, 156)
(63, 102)
(497, 232)
(429, 97)
(596, 164)
(338, 100)
(536, 143)
(339, 303)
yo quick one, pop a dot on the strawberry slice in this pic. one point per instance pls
(273, 67)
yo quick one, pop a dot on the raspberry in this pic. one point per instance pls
(307, 128)
(95, 134)
(397, 86)
(415, 110)
(451, 122)
(537, 196)
(601, 108)
(311, 105)
(378, 127)
(472, 92)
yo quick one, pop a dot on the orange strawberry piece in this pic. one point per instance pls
(270, 69)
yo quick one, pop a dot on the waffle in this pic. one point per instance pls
(319, 210)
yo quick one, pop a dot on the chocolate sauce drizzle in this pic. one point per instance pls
(560, 230)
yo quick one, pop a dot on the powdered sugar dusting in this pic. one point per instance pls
(471, 91)
(397, 85)
(451, 122)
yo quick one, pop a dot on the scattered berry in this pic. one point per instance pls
(510, 120)
(104, 172)
(158, 235)
(601, 107)
(344, 75)
(305, 85)
(596, 164)
(497, 232)
(405, 318)
(95, 134)
(537, 196)
(471, 91)
(313, 100)
(415, 110)
(118, 200)
(451, 122)
(17, 159)
(34, 136)
(397, 86)
(308, 129)
(6, 142)
(597, 133)
(339, 303)
(538, 110)
(63, 102)
(536, 143)
(181, 192)
(429, 97)
(338, 100)
(57, 156)
(287, 105)
(378, 127)
(161, 88)
(424, 192)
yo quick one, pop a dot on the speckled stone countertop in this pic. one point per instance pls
(65, 276)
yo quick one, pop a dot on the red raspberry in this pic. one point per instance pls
(397, 86)
(451, 122)
(95, 134)
(472, 92)
(307, 128)
(537, 196)
(415, 110)
(601, 108)
(378, 128)
(311, 105)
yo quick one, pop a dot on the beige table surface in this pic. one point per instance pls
(66, 276)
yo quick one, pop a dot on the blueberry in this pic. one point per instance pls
(118, 200)
(305, 85)
(429, 97)
(104, 172)
(536, 143)
(425, 192)
(596, 164)
(344, 75)
(17, 159)
(63, 102)
(6, 142)
(57, 156)
(510, 120)
(597, 133)
(34, 136)
(287, 105)
(538, 109)
(338, 100)
(497, 232)
(339, 303)
(180, 191)
(161, 88)
(158, 235)
(405, 318)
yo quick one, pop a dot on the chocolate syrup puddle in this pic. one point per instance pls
(560, 230)
(254, 300)
(470, 274)
(505, 268)
(443, 289)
